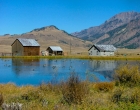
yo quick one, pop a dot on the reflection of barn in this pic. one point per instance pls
(102, 50)
(56, 50)
(104, 67)
(25, 47)
(25, 66)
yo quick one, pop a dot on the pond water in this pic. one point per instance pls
(37, 71)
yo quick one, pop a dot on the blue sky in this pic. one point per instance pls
(21, 16)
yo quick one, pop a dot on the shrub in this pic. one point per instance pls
(73, 90)
(116, 97)
(1, 99)
(32, 95)
(126, 95)
(50, 87)
(104, 86)
(46, 87)
(134, 98)
(128, 75)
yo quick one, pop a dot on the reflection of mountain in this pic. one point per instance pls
(25, 65)
(104, 67)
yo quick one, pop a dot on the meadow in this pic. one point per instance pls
(74, 94)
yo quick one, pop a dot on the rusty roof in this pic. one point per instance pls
(28, 42)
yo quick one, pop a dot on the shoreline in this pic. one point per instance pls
(78, 57)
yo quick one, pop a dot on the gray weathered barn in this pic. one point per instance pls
(55, 50)
(25, 47)
(102, 50)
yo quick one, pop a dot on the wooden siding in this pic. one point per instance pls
(31, 51)
(19, 50)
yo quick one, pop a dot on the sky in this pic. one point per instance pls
(21, 16)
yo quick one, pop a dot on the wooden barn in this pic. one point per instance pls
(25, 47)
(55, 50)
(102, 50)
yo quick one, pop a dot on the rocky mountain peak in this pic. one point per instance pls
(125, 16)
(121, 30)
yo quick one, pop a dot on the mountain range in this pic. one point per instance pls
(122, 31)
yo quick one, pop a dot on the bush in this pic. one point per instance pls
(1, 99)
(135, 98)
(104, 86)
(32, 95)
(73, 90)
(116, 97)
(128, 75)
(126, 95)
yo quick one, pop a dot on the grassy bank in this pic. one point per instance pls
(121, 94)
(78, 57)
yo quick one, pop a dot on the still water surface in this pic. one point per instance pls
(37, 71)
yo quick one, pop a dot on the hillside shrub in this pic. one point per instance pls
(126, 95)
(1, 99)
(117, 94)
(104, 86)
(135, 98)
(73, 90)
(127, 75)
(32, 95)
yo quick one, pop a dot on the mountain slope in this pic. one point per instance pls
(122, 30)
(50, 36)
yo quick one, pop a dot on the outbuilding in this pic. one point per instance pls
(25, 47)
(55, 50)
(102, 50)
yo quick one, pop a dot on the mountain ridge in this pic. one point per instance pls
(49, 36)
(101, 33)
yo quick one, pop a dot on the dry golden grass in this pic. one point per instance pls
(50, 97)
(104, 86)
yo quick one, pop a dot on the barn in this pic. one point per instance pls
(25, 47)
(55, 50)
(102, 50)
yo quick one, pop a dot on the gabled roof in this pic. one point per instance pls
(102, 48)
(56, 48)
(28, 42)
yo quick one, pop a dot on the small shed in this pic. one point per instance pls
(55, 50)
(102, 50)
(25, 47)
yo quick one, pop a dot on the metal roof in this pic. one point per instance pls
(56, 48)
(108, 48)
(28, 42)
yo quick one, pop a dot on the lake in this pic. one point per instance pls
(37, 71)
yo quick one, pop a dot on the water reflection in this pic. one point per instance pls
(103, 65)
(36, 71)
(104, 69)
(25, 66)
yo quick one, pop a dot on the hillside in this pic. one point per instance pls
(122, 30)
(48, 36)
